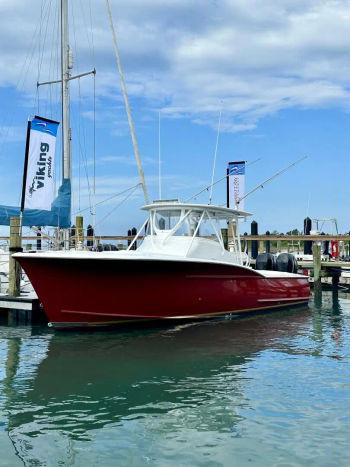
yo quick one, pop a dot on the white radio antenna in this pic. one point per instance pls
(215, 154)
(159, 161)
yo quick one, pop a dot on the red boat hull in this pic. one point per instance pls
(81, 292)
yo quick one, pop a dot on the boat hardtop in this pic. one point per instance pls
(219, 212)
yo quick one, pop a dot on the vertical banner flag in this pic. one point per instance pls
(39, 165)
(235, 184)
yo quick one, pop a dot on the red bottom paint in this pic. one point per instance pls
(83, 292)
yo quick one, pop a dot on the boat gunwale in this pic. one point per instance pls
(128, 256)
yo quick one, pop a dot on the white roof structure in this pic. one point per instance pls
(220, 212)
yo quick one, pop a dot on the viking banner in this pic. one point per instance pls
(38, 180)
(235, 184)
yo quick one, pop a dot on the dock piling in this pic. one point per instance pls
(79, 232)
(254, 243)
(307, 230)
(14, 267)
(268, 243)
(316, 251)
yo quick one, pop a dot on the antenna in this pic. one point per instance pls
(159, 161)
(261, 185)
(215, 154)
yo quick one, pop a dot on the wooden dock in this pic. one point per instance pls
(24, 309)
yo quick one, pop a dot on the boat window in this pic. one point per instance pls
(166, 219)
(148, 228)
(209, 228)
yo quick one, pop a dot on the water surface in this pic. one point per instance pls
(270, 389)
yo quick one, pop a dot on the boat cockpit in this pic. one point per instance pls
(191, 230)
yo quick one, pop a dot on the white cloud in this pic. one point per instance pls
(249, 57)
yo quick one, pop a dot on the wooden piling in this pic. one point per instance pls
(267, 243)
(316, 251)
(254, 243)
(14, 267)
(79, 232)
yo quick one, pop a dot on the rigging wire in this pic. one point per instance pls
(42, 40)
(56, 38)
(38, 64)
(111, 197)
(7, 122)
(83, 149)
(118, 205)
(92, 35)
(82, 140)
(88, 38)
(94, 153)
(52, 63)
(76, 57)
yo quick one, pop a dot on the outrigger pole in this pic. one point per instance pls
(261, 185)
(127, 106)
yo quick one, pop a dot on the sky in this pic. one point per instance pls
(277, 70)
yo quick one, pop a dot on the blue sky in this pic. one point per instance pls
(279, 71)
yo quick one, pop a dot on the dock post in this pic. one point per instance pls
(316, 251)
(307, 230)
(90, 233)
(134, 233)
(38, 242)
(14, 267)
(255, 247)
(335, 273)
(79, 232)
(267, 243)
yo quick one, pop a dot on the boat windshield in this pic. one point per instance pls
(184, 223)
(166, 219)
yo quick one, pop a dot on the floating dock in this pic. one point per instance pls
(21, 310)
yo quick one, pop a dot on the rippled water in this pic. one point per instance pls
(265, 390)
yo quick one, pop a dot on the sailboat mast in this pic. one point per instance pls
(65, 75)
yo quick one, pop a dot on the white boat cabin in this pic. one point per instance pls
(191, 230)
